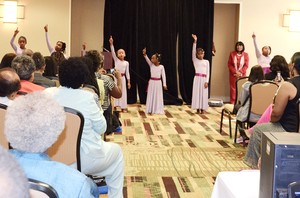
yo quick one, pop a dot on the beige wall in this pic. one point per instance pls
(225, 36)
(265, 19)
(87, 25)
(55, 13)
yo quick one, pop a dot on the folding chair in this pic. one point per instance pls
(229, 108)
(3, 141)
(38, 189)
(67, 148)
(261, 95)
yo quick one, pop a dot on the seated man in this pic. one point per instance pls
(25, 67)
(9, 85)
(33, 123)
(40, 66)
(13, 182)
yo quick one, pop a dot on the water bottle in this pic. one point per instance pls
(278, 77)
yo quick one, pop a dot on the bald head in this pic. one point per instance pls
(9, 82)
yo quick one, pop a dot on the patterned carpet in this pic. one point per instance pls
(178, 154)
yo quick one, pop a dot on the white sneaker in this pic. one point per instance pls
(239, 139)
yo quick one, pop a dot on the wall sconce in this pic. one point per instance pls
(292, 20)
(10, 11)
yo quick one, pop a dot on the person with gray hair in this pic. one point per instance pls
(9, 85)
(13, 181)
(25, 67)
(32, 125)
(40, 66)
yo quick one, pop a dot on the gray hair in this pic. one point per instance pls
(33, 122)
(13, 181)
(24, 66)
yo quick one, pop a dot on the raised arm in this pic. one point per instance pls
(13, 45)
(50, 48)
(112, 49)
(257, 51)
(146, 57)
(194, 47)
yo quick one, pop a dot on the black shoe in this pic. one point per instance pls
(243, 134)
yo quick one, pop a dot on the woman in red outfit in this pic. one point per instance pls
(238, 62)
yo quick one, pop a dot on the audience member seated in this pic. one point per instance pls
(50, 68)
(7, 59)
(9, 85)
(256, 74)
(33, 123)
(25, 67)
(265, 117)
(111, 89)
(284, 116)
(98, 158)
(278, 63)
(13, 181)
(40, 66)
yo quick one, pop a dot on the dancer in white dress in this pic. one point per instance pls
(201, 79)
(123, 66)
(263, 57)
(22, 41)
(155, 100)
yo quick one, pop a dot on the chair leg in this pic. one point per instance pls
(235, 133)
(229, 119)
(221, 124)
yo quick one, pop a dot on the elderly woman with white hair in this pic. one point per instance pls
(33, 123)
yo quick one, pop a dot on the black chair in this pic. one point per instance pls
(229, 109)
(294, 190)
(40, 189)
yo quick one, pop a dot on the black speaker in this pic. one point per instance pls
(280, 163)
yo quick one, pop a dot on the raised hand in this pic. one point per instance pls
(194, 37)
(144, 51)
(84, 45)
(46, 28)
(111, 40)
(16, 32)
(253, 35)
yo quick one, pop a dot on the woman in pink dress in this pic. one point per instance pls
(123, 66)
(201, 79)
(155, 100)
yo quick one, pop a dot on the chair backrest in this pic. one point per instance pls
(3, 140)
(238, 84)
(67, 148)
(261, 96)
(38, 189)
(294, 190)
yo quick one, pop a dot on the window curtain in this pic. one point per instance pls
(161, 26)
